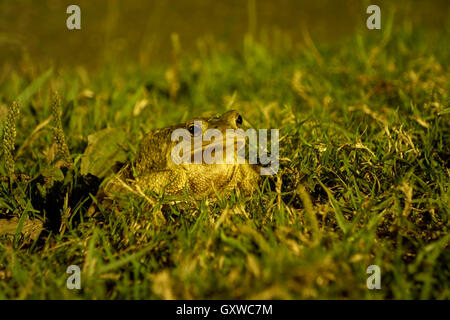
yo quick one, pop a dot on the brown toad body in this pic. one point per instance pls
(156, 170)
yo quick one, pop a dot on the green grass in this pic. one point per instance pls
(364, 176)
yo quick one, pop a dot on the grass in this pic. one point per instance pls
(364, 176)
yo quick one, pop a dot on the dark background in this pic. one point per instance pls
(140, 31)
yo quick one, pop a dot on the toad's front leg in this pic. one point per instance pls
(162, 181)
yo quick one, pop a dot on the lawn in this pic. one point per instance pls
(363, 178)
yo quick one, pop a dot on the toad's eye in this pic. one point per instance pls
(239, 120)
(194, 130)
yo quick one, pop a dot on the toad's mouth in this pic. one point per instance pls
(216, 151)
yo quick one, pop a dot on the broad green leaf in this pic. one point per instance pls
(105, 148)
(53, 173)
